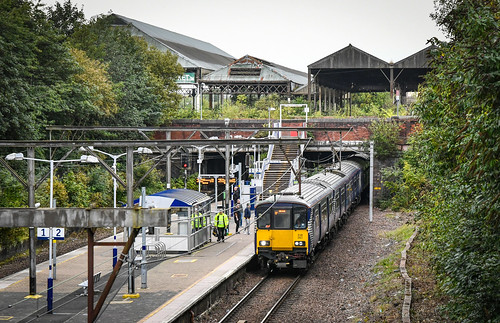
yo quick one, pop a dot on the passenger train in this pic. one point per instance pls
(293, 225)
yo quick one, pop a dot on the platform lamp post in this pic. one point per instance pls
(141, 150)
(269, 120)
(83, 159)
(114, 157)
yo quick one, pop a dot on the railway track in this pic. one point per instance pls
(263, 300)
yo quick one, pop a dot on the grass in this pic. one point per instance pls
(388, 290)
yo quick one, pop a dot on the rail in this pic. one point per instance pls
(243, 301)
(282, 298)
(235, 310)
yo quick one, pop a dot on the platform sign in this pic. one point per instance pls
(187, 77)
(205, 181)
(222, 180)
(44, 233)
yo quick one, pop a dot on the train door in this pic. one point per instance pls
(337, 205)
(360, 185)
(282, 235)
(342, 200)
(316, 224)
(349, 194)
(324, 218)
(331, 210)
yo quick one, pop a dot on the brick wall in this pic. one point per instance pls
(359, 127)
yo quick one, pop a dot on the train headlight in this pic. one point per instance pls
(300, 243)
(264, 243)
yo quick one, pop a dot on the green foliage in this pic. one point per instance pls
(12, 192)
(35, 71)
(372, 104)
(153, 182)
(12, 236)
(458, 152)
(65, 17)
(385, 135)
(76, 186)
(190, 181)
(405, 184)
(143, 77)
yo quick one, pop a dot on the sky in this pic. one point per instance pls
(291, 33)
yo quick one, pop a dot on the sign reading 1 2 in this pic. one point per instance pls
(44, 233)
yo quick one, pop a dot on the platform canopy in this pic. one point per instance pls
(353, 70)
(82, 218)
(174, 198)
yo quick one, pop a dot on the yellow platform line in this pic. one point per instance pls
(181, 293)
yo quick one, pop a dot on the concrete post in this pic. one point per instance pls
(31, 203)
(144, 268)
(130, 203)
(168, 135)
(228, 193)
(371, 180)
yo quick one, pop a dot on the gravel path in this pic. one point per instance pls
(334, 289)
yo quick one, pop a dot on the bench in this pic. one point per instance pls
(85, 284)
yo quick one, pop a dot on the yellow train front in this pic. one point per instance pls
(282, 238)
(295, 223)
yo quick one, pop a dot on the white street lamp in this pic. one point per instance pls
(83, 159)
(140, 150)
(269, 120)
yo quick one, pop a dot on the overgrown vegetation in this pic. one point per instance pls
(450, 174)
(389, 290)
(385, 135)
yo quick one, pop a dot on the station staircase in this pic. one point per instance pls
(279, 174)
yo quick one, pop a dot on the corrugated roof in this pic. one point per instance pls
(180, 197)
(420, 59)
(192, 52)
(349, 57)
(258, 70)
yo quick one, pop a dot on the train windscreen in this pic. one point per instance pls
(263, 214)
(299, 217)
(281, 218)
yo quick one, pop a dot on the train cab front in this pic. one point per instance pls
(282, 238)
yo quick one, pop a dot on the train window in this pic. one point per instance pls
(299, 217)
(281, 218)
(263, 214)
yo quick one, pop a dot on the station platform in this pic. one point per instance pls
(172, 285)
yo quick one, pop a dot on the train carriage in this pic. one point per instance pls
(290, 228)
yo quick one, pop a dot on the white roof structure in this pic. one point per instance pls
(191, 52)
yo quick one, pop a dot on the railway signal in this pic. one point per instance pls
(184, 161)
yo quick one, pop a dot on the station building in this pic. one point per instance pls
(214, 75)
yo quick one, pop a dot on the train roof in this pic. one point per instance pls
(317, 186)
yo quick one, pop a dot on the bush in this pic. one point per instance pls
(385, 135)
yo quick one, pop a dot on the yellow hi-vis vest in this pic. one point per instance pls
(221, 220)
(202, 221)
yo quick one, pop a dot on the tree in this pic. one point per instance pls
(143, 76)
(66, 18)
(18, 65)
(36, 74)
(458, 152)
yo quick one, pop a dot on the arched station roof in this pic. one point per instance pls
(353, 70)
(192, 53)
